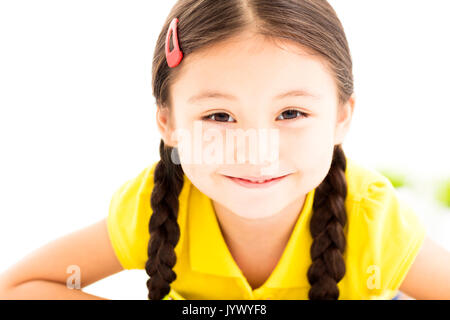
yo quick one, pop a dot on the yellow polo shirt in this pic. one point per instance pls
(383, 236)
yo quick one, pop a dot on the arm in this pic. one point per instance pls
(44, 274)
(429, 275)
(45, 290)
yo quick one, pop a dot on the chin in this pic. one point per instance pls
(251, 212)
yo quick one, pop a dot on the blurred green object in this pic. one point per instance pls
(397, 178)
(443, 192)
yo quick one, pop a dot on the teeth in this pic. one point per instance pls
(258, 181)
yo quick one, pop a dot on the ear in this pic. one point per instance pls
(164, 123)
(343, 120)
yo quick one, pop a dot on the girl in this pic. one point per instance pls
(309, 224)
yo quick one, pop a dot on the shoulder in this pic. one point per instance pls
(128, 218)
(141, 183)
(384, 233)
(364, 181)
(378, 201)
(375, 193)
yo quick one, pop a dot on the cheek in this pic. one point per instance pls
(203, 177)
(307, 145)
(202, 147)
(310, 150)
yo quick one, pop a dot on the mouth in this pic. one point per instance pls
(252, 182)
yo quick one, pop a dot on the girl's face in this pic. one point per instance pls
(250, 72)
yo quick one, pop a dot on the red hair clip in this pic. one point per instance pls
(175, 56)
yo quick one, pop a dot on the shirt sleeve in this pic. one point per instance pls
(128, 219)
(394, 237)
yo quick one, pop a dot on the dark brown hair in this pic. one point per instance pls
(313, 25)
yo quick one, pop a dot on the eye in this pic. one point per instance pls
(218, 117)
(291, 114)
(286, 115)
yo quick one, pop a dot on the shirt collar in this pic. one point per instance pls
(209, 253)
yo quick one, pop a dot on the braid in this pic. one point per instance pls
(163, 226)
(326, 226)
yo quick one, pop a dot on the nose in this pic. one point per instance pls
(257, 165)
(259, 147)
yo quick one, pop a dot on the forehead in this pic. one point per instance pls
(251, 65)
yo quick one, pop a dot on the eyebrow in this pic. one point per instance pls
(209, 94)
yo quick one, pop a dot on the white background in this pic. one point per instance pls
(77, 115)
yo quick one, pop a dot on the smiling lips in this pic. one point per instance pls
(257, 180)
(251, 182)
